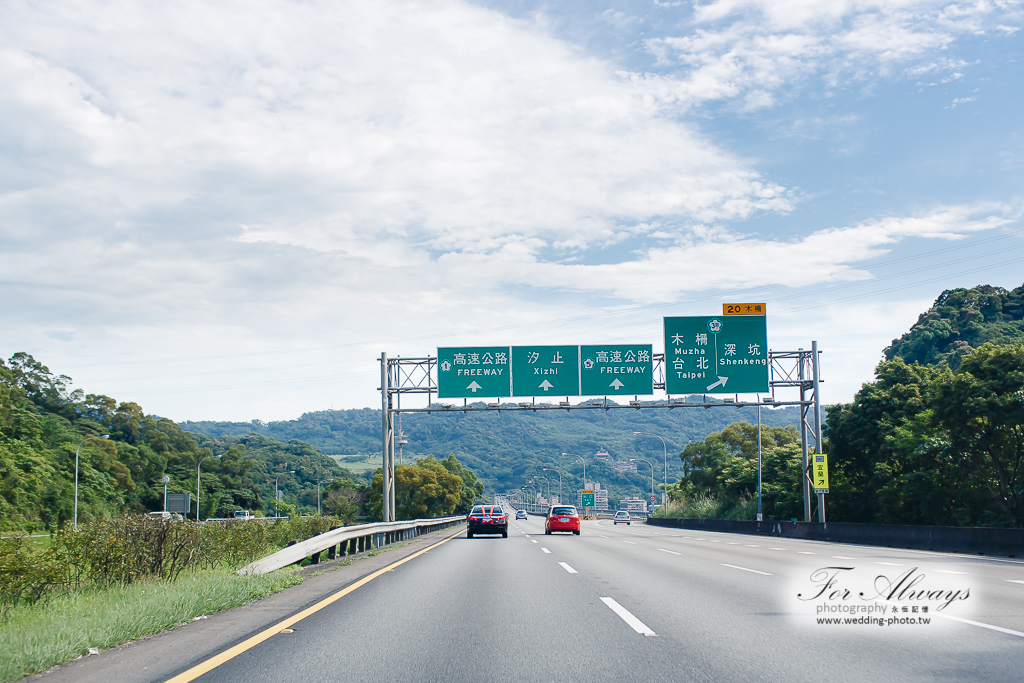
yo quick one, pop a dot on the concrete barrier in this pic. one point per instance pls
(952, 539)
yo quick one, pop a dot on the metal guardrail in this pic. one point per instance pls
(357, 538)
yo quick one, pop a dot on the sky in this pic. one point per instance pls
(228, 211)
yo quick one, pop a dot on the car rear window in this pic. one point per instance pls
(563, 511)
(478, 510)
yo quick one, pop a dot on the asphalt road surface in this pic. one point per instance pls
(640, 603)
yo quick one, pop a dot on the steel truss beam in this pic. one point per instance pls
(788, 371)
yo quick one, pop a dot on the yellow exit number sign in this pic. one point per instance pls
(743, 309)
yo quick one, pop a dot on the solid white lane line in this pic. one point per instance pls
(669, 551)
(1014, 581)
(627, 616)
(806, 552)
(567, 568)
(747, 570)
(629, 542)
(533, 540)
(546, 551)
(843, 557)
(890, 564)
(949, 571)
(978, 623)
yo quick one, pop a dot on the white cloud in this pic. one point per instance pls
(754, 51)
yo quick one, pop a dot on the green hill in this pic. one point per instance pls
(507, 449)
(960, 321)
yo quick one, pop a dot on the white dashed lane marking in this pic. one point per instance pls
(627, 616)
(548, 552)
(567, 568)
(533, 540)
(950, 571)
(755, 571)
(629, 542)
(671, 552)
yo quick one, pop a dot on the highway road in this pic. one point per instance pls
(644, 603)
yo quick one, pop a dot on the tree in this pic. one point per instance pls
(981, 409)
(723, 467)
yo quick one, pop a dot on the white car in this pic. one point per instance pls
(520, 514)
(621, 517)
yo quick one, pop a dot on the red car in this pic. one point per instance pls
(562, 518)
(487, 519)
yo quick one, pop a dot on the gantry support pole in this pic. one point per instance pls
(387, 441)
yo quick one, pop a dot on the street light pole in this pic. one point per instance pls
(199, 482)
(318, 482)
(277, 512)
(559, 481)
(584, 467)
(549, 486)
(652, 470)
(165, 479)
(91, 438)
(664, 494)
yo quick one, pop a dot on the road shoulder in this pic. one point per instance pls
(161, 656)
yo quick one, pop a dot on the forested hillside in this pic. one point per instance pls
(43, 422)
(508, 449)
(960, 321)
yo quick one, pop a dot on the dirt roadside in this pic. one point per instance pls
(159, 657)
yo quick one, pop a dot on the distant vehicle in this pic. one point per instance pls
(621, 517)
(562, 518)
(487, 519)
(164, 514)
(520, 514)
(243, 514)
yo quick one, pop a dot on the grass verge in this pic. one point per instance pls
(61, 629)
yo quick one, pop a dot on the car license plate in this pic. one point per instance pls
(563, 519)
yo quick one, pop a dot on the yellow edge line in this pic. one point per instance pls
(215, 661)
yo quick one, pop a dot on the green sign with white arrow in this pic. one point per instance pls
(545, 371)
(716, 354)
(473, 372)
(612, 369)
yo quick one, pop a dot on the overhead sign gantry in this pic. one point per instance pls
(704, 355)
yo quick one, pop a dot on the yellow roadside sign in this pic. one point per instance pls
(819, 473)
(743, 309)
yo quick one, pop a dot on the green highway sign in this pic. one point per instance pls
(473, 372)
(716, 354)
(587, 499)
(612, 369)
(545, 371)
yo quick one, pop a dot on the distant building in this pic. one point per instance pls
(631, 505)
(602, 453)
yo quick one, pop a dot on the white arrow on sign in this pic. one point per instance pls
(617, 384)
(545, 385)
(721, 381)
(474, 386)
